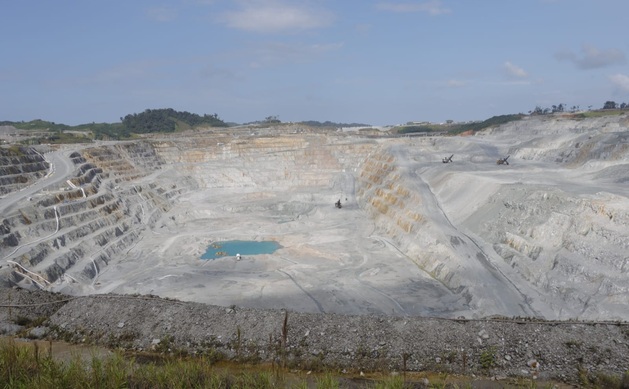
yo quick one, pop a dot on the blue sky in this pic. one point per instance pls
(378, 62)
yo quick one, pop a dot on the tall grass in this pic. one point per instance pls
(29, 367)
(26, 366)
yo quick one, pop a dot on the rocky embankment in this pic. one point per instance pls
(19, 167)
(554, 223)
(71, 230)
(566, 351)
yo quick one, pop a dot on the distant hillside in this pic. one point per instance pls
(36, 124)
(491, 122)
(167, 120)
(327, 123)
(151, 120)
(458, 128)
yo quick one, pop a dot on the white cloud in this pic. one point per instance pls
(514, 71)
(275, 16)
(621, 81)
(161, 14)
(433, 7)
(592, 57)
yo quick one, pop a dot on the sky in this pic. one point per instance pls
(377, 62)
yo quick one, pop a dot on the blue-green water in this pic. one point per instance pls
(243, 247)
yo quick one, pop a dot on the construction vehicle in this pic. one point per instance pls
(503, 161)
(448, 159)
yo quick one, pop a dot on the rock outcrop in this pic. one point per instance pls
(545, 236)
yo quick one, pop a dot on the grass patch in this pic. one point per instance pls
(29, 367)
(14, 151)
(392, 382)
(600, 113)
(410, 129)
(488, 358)
(457, 128)
(28, 322)
(32, 366)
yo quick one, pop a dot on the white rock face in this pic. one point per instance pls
(546, 235)
(558, 216)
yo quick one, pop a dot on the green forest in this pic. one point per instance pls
(457, 128)
(151, 120)
(167, 120)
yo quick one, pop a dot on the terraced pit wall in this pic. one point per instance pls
(119, 191)
(568, 249)
(268, 163)
(569, 241)
(398, 210)
(564, 244)
(19, 167)
(77, 229)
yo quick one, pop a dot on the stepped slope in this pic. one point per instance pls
(544, 236)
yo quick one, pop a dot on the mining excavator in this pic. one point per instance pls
(503, 161)
(448, 159)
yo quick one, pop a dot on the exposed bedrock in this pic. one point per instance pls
(269, 163)
(407, 211)
(546, 235)
(573, 249)
(19, 167)
(558, 216)
(568, 142)
(75, 229)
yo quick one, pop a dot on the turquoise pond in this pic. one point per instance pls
(243, 247)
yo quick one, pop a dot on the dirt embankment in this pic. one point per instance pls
(548, 350)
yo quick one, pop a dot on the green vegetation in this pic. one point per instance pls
(151, 120)
(600, 380)
(29, 365)
(488, 358)
(14, 151)
(573, 343)
(609, 108)
(458, 128)
(104, 131)
(394, 382)
(606, 381)
(36, 124)
(33, 366)
(60, 137)
(327, 123)
(167, 120)
(493, 121)
(600, 113)
(560, 108)
(411, 129)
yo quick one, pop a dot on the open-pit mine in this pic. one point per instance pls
(545, 235)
